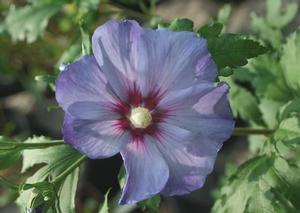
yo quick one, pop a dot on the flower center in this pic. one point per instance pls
(140, 117)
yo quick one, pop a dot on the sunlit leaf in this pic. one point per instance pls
(29, 22)
(290, 62)
(181, 25)
(53, 161)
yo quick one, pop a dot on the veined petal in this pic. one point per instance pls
(187, 97)
(81, 81)
(147, 171)
(215, 102)
(115, 46)
(209, 117)
(187, 171)
(171, 60)
(95, 139)
(89, 110)
(206, 69)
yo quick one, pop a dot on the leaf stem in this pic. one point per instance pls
(68, 171)
(24, 145)
(240, 131)
(9, 184)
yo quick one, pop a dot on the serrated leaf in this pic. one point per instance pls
(290, 109)
(269, 110)
(290, 62)
(289, 131)
(256, 187)
(9, 155)
(270, 182)
(54, 161)
(270, 27)
(211, 30)
(243, 103)
(268, 80)
(266, 32)
(29, 22)
(230, 50)
(181, 25)
(276, 16)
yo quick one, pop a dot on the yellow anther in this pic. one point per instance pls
(140, 117)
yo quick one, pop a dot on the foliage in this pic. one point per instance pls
(269, 180)
(29, 22)
(262, 70)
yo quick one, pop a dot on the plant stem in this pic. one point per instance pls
(68, 171)
(251, 131)
(22, 145)
(9, 184)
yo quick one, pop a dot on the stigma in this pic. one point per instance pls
(140, 117)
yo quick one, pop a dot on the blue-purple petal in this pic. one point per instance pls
(115, 46)
(187, 171)
(171, 60)
(96, 139)
(147, 171)
(89, 110)
(81, 81)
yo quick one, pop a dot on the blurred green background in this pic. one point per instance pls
(38, 36)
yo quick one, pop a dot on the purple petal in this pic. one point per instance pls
(187, 171)
(171, 60)
(154, 59)
(115, 46)
(92, 111)
(96, 139)
(215, 102)
(206, 69)
(181, 99)
(81, 81)
(147, 171)
(209, 117)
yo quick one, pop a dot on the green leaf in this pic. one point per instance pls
(243, 103)
(289, 131)
(292, 108)
(86, 43)
(29, 22)
(211, 31)
(52, 161)
(268, 80)
(71, 54)
(88, 5)
(181, 25)
(270, 27)
(151, 204)
(265, 31)
(230, 50)
(224, 14)
(67, 192)
(9, 155)
(276, 16)
(290, 62)
(269, 110)
(257, 187)
(270, 182)
(48, 79)
(105, 207)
